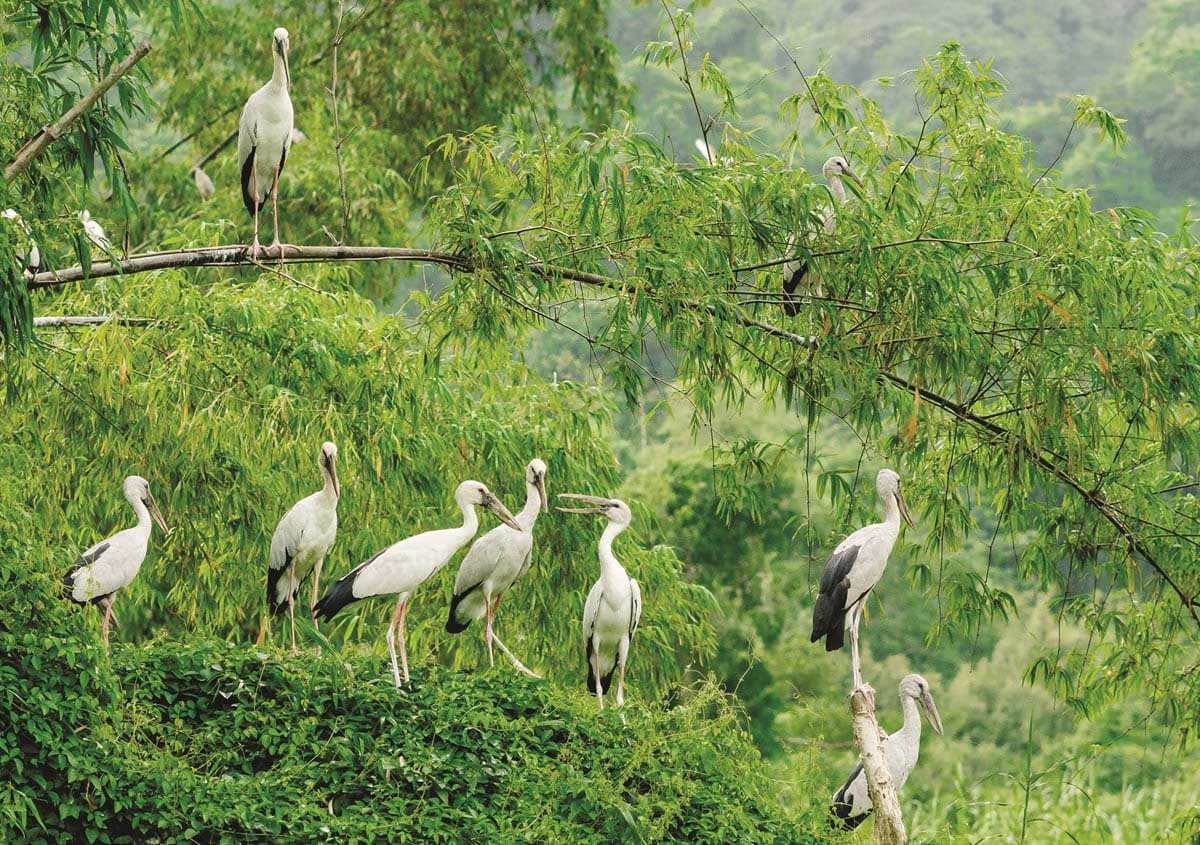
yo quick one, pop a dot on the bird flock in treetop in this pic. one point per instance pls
(495, 561)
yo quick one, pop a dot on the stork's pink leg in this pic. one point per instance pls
(254, 248)
(488, 636)
(105, 622)
(391, 639)
(292, 607)
(275, 209)
(403, 647)
(599, 682)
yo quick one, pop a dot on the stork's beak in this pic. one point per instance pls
(333, 476)
(600, 503)
(931, 712)
(497, 507)
(287, 70)
(852, 176)
(541, 487)
(156, 514)
(912, 523)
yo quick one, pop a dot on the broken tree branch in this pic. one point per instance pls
(889, 823)
(48, 134)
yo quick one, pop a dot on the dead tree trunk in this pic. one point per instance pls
(889, 824)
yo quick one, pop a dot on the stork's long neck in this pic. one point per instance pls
(891, 512)
(533, 506)
(143, 513)
(470, 522)
(328, 492)
(611, 572)
(837, 189)
(912, 718)
(279, 80)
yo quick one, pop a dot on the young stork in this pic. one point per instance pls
(301, 540)
(264, 138)
(614, 605)
(404, 566)
(796, 272)
(94, 231)
(855, 568)
(113, 563)
(852, 804)
(495, 561)
(32, 260)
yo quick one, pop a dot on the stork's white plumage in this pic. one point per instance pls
(796, 273)
(852, 803)
(614, 605)
(94, 231)
(301, 540)
(32, 257)
(112, 564)
(495, 561)
(856, 566)
(404, 566)
(265, 136)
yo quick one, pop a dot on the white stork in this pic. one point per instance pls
(495, 561)
(614, 605)
(796, 272)
(94, 231)
(404, 566)
(854, 569)
(31, 259)
(265, 136)
(204, 183)
(852, 804)
(113, 563)
(301, 540)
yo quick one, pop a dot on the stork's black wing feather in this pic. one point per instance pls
(790, 306)
(829, 613)
(273, 576)
(85, 559)
(453, 625)
(840, 809)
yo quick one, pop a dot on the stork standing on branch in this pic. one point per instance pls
(495, 561)
(113, 563)
(796, 273)
(614, 605)
(301, 540)
(852, 804)
(31, 259)
(264, 138)
(856, 566)
(404, 566)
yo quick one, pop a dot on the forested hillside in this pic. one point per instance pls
(502, 242)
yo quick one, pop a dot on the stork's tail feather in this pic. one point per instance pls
(463, 612)
(837, 633)
(69, 586)
(276, 608)
(339, 595)
(840, 818)
(605, 680)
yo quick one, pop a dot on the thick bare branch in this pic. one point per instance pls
(889, 823)
(48, 134)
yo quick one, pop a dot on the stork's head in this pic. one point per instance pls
(475, 493)
(137, 489)
(837, 167)
(617, 511)
(916, 687)
(279, 46)
(328, 461)
(887, 484)
(535, 474)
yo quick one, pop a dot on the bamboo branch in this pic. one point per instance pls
(48, 134)
(889, 823)
(57, 322)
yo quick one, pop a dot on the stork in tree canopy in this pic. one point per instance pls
(796, 272)
(264, 138)
(614, 605)
(31, 259)
(495, 561)
(113, 563)
(301, 540)
(852, 803)
(94, 231)
(855, 568)
(404, 566)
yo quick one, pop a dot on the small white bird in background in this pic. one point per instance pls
(298, 137)
(852, 803)
(853, 570)
(796, 273)
(495, 561)
(404, 566)
(265, 136)
(614, 605)
(113, 563)
(94, 231)
(204, 183)
(31, 258)
(301, 540)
